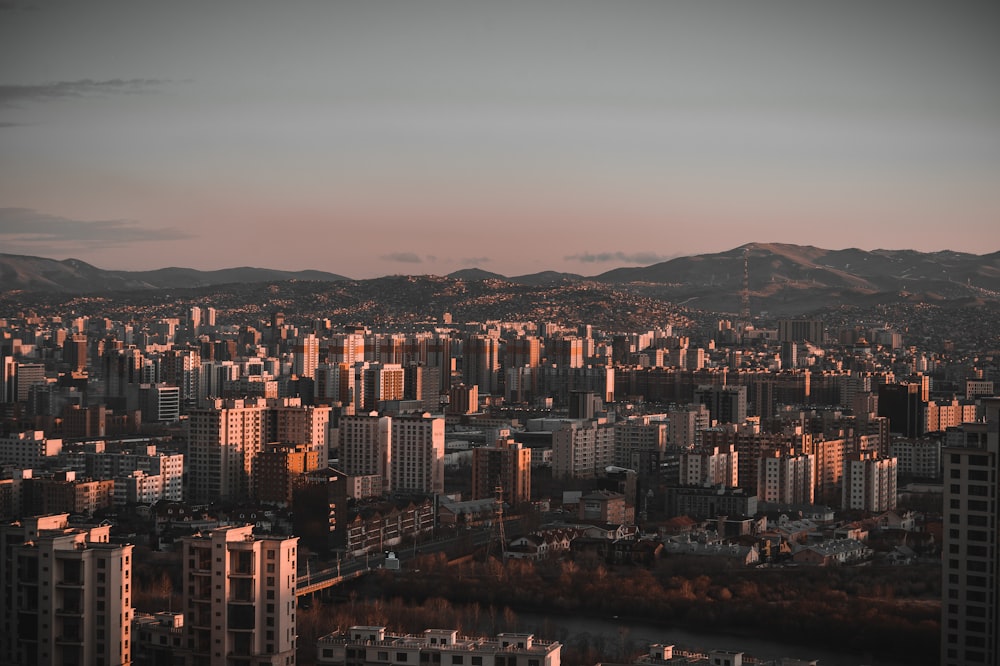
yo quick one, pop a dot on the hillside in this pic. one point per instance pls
(783, 280)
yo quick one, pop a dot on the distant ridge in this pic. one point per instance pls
(784, 278)
(19, 272)
(475, 274)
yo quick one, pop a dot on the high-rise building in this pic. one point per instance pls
(423, 383)
(565, 352)
(506, 464)
(239, 600)
(278, 468)
(75, 352)
(416, 459)
(463, 399)
(582, 449)
(67, 594)
(305, 356)
(869, 483)
(786, 479)
(710, 466)
(970, 607)
(28, 375)
(347, 348)
(829, 455)
(481, 362)
(799, 330)
(726, 404)
(904, 405)
(365, 445)
(379, 382)
(223, 443)
(291, 422)
(640, 443)
(8, 379)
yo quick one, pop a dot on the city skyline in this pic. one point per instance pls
(422, 138)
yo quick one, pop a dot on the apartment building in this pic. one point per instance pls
(416, 459)
(67, 594)
(869, 483)
(970, 608)
(582, 449)
(239, 598)
(224, 441)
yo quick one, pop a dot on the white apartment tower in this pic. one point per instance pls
(67, 594)
(239, 600)
(416, 459)
(582, 449)
(223, 442)
(970, 608)
(786, 479)
(869, 483)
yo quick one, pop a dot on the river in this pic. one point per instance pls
(612, 633)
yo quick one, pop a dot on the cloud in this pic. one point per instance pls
(29, 230)
(11, 95)
(403, 257)
(475, 261)
(641, 258)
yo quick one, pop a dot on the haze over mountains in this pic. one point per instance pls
(783, 278)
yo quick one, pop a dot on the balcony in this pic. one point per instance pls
(70, 611)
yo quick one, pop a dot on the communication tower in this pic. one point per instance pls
(498, 538)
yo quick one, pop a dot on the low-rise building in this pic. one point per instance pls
(831, 553)
(364, 646)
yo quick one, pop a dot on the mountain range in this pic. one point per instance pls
(781, 278)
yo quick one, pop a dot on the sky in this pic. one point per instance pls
(371, 137)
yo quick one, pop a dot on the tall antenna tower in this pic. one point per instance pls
(498, 539)
(745, 293)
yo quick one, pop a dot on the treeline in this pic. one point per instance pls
(890, 611)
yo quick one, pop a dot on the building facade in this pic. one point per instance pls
(239, 600)
(67, 594)
(970, 608)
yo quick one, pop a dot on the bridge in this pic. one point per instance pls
(314, 581)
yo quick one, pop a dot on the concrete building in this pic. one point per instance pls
(25, 450)
(64, 492)
(702, 503)
(605, 508)
(368, 646)
(869, 483)
(291, 422)
(506, 464)
(786, 479)
(970, 608)
(305, 356)
(67, 594)
(416, 458)
(640, 443)
(582, 449)
(920, 458)
(365, 441)
(276, 470)
(726, 404)
(481, 363)
(239, 600)
(224, 441)
(710, 466)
